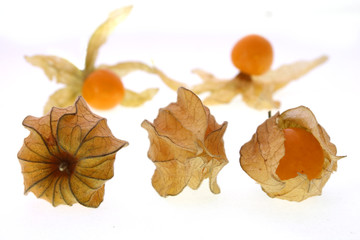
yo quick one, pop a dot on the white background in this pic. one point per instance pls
(178, 36)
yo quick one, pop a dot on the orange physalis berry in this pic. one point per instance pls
(252, 55)
(303, 154)
(103, 89)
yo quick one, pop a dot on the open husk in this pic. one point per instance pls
(72, 77)
(257, 91)
(186, 145)
(260, 157)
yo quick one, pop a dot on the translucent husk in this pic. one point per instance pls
(186, 146)
(68, 156)
(72, 77)
(256, 91)
(260, 157)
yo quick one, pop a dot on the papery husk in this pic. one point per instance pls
(124, 68)
(186, 146)
(134, 99)
(99, 37)
(260, 157)
(58, 68)
(68, 156)
(66, 73)
(257, 91)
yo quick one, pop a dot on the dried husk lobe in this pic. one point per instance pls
(186, 146)
(68, 156)
(260, 157)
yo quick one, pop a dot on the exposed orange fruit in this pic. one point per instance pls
(103, 89)
(303, 154)
(253, 55)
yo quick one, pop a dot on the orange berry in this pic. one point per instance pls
(253, 55)
(103, 89)
(303, 154)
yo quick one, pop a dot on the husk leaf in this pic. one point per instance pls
(101, 34)
(59, 68)
(124, 68)
(134, 99)
(281, 76)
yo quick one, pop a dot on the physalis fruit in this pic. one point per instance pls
(97, 84)
(253, 56)
(290, 155)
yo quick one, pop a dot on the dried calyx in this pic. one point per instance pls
(186, 145)
(68, 156)
(253, 57)
(290, 155)
(101, 90)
